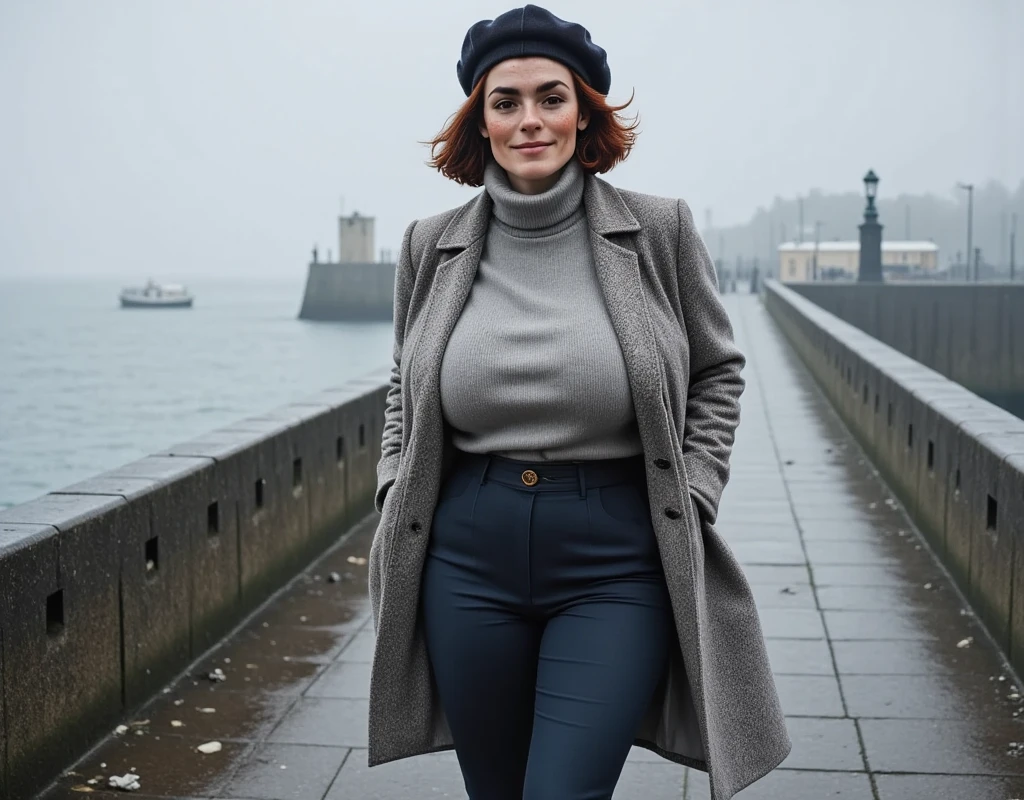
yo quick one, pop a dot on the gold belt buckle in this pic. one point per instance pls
(529, 477)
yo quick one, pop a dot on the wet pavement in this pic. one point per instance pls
(891, 689)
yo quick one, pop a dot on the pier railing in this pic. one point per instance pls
(111, 586)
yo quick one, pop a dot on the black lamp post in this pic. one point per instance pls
(870, 269)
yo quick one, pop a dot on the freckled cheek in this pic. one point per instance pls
(501, 131)
(564, 125)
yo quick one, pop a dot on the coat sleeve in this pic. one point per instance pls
(391, 439)
(712, 402)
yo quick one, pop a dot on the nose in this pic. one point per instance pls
(531, 119)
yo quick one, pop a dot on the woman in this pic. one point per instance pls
(547, 585)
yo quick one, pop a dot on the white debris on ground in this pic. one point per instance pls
(217, 675)
(355, 560)
(334, 577)
(129, 782)
(209, 748)
(120, 730)
(964, 643)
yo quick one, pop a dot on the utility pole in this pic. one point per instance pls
(977, 262)
(970, 229)
(1013, 246)
(906, 222)
(817, 242)
(800, 224)
(1002, 239)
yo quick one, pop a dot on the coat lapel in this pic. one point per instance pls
(618, 273)
(460, 247)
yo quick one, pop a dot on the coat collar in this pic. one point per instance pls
(607, 214)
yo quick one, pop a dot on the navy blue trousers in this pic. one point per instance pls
(547, 620)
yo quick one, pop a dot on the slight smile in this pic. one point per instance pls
(531, 148)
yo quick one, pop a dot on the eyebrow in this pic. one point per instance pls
(544, 87)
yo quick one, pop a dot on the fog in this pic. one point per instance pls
(190, 137)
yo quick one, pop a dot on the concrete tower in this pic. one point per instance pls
(355, 239)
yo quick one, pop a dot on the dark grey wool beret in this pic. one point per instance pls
(532, 31)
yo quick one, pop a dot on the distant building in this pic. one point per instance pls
(840, 260)
(355, 239)
(355, 288)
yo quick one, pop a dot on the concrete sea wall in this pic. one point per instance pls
(971, 333)
(111, 586)
(955, 461)
(349, 292)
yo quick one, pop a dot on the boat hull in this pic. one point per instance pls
(128, 302)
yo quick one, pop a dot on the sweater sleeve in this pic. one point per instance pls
(391, 439)
(712, 403)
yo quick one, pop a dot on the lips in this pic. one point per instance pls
(532, 147)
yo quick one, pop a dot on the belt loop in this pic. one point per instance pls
(487, 466)
(583, 480)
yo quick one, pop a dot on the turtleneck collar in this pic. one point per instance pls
(536, 213)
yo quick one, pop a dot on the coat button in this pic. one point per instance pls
(415, 527)
(662, 463)
(530, 477)
(672, 513)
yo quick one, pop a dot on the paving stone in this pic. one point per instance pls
(235, 715)
(810, 696)
(359, 649)
(428, 776)
(846, 530)
(343, 679)
(930, 696)
(767, 552)
(302, 607)
(867, 575)
(318, 720)
(894, 624)
(923, 657)
(800, 656)
(957, 747)
(937, 787)
(885, 598)
(272, 676)
(168, 767)
(779, 623)
(823, 744)
(801, 597)
(741, 532)
(783, 784)
(826, 552)
(752, 515)
(320, 645)
(777, 576)
(307, 774)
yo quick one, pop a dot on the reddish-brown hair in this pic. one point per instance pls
(460, 152)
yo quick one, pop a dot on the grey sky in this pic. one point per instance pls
(189, 137)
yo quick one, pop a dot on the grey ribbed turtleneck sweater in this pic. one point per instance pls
(533, 369)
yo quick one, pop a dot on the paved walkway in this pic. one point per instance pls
(862, 626)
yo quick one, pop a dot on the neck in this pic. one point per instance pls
(540, 208)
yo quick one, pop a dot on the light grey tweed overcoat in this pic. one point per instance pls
(718, 709)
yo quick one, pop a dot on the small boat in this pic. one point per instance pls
(156, 295)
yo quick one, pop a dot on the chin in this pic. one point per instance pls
(537, 170)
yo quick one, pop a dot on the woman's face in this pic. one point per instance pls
(531, 116)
